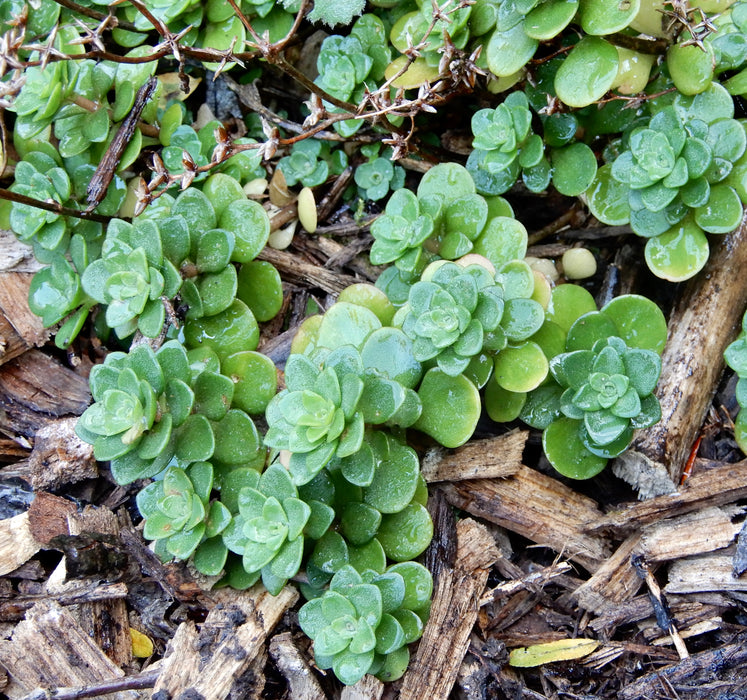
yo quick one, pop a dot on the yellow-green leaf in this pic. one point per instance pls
(561, 650)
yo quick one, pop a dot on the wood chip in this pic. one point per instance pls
(478, 459)
(60, 457)
(17, 544)
(208, 662)
(295, 269)
(693, 358)
(367, 688)
(433, 671)
(538, 507)
(709, 572)
(301, 680)
(49, 649)
(20, 329)
(714, 486)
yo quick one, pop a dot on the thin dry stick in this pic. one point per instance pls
(147, 679)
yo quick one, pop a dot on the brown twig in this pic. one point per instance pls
(146, 679)
(52, 206)
(95, 14)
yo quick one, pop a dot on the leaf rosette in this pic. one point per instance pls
(323, 411)
(268, 530)
(454, 315)
(178, 513)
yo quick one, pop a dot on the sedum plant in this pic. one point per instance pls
(268, 529)
(601, 387)
(179, 515)
(672, 183)
(736, 358)
(364, 621)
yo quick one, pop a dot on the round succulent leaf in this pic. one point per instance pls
(603, 426)
(509, 51)
(708, 106)
(179, 400)
(567, 303)
(214, 250)
(650, 413)
(521, 319)
(359, 523)
(391, 585)
(330, 554)
(479, 369)
(249, 223)
(600, 17)
(608, 360)
(679, 253)
(395, 480)
(286, 563)
(236, 438)
(643, 368)
(451, 408)
(628, 405)
(691, 67)
(156, 440)
(607, 198)
(521, 368)
(232, 330)
(130, 467)
(638, 321)
(389, 352)
(320, 519)
(610, 450)
(418, 584)
(254, 379)
(723, 211)
(551, 338)
(468, 215)
(367, 557)
(502, 405)
(389, 635)
(195, 440)
(588, 329)
(380, 399)
(213, 395)
(587, 72)
(183, 544)
(222, 190)
(562, 444)
(210, 556)
(197, 211)
(574, 168)
(346, 324)
(736, 356)
(260, 288)
(448, 180)
(217, 291)
(217, 519)
(503, 239)
(406, 534)
(516, 279)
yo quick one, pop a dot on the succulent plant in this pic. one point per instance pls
(179, 515)
(268, 529)
(131, 277)
(454, 314)
(603, 385)
(149, 409)
(378, 175)
(736, 357)
(310, 163)
(324, 409)
(672, 181)
(362, 619)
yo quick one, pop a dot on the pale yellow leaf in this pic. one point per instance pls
(560, 650)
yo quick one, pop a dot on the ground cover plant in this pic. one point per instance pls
(155, 175)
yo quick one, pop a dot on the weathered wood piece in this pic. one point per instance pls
(301, 680)
(478, 459)
(539, 508)
(367, 688)
(49, 649)
(106, 621)
(724, 668)
(708, 572)
(34, 388)
(614, 582)
(15, 255)
(20, 329)
(208, 662)
(445, 641)
(295, 269)
(716, 486)
(17, 544)
(60, 456)
(693, 533)
(702, 324)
